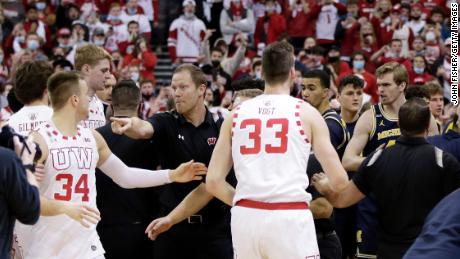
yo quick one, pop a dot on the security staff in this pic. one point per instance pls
(125, 213)
(315, 90)
(189, 132)
(399, 177)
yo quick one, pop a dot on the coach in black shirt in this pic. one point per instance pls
(408, 179)
(125, 213)
(189, 132)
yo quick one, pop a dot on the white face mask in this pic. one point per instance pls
(258, 75)
(430, 36)
(189, 15)
(135, 76)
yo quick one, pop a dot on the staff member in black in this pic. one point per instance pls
(189, 132)
(407, 179)
(125, 213)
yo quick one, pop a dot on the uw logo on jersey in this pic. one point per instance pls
(61, 157)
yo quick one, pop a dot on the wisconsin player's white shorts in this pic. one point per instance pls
(273, 234)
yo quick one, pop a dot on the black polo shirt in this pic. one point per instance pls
(178, 141)
(408, 180)
(119, 206)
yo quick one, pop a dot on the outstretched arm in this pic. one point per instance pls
(352, 158)
(128, 177)
(133, 127)
(220, 165)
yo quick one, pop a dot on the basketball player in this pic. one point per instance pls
(71, 154)
(93, 63)
(30, 89)
(377, 126)
(268, 139)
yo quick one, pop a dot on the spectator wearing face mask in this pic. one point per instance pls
(370, 82)
(271, 27)
(186, 35)
(129, 40)
(33, 44)
(99, 37)
(335, 65)
(145, 57)
(236, 19)
(418, 75)
(432, 35)
(32, 23)
(134, 12)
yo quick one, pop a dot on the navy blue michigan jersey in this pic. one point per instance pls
(385, 131)
(338, 131)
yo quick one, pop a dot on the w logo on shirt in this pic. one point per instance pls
(212, 141)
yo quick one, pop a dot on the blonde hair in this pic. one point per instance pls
(399, 72)
(90, 55)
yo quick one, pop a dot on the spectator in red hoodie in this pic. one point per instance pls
(418, 74)
(366, 8)
(147, 58)
(381, 21)
(271, 27)
(299, 25)
(370, 82)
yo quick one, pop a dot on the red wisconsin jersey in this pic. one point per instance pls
(270, 150)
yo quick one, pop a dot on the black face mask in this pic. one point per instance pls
(370, 1)
(215, 63)
(115, 62)
(334, 59)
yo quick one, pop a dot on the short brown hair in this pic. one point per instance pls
(414, 117)
(126, 96)
(277, 61)
(90, 55)
(197, 75)
(61, 86)
(399, 72)
(433, 88)
(29, 82)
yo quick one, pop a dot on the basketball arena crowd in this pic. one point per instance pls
(377, 71)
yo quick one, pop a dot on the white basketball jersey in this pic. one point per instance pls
(28, 118)
(270, 150)
(96, 116)
(70, 176)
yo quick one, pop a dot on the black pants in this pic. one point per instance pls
(345, 226)
(194, 241)
(125, 241)
(329, 246)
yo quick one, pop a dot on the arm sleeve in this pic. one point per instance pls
(22, 198)
(128, 177)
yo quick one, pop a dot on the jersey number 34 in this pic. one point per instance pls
(81, 187)
(255, 136)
